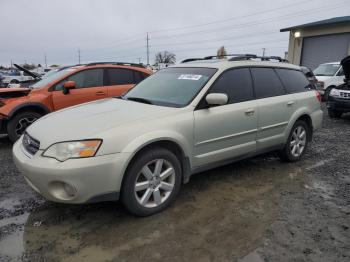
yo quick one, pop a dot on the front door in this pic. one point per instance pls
(227, 131)
(88, 87)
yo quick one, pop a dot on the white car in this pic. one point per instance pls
(180, 121)
(329, 75)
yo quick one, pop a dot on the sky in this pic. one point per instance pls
(113, 30)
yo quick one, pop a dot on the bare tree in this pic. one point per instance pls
(165, 57)
(221, 53)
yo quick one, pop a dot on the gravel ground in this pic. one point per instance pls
(251, 211)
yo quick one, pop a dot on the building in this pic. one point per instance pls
(319, 42)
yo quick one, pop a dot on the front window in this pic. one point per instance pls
(52, 78)
(326, 70)
(173, 87)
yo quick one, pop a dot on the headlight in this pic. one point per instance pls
(334, 92)
(74, 149)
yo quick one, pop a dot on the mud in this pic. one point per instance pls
(255, 210)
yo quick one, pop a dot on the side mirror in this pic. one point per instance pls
(67, 86)
(216, 99)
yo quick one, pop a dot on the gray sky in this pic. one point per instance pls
(113, 30)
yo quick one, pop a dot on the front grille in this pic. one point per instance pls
(344, 94)
(30, 144)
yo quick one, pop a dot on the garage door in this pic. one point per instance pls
(322, 49)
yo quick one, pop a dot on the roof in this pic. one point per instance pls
(223, 64)
(330, 21)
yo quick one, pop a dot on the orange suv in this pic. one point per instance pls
(20, 107)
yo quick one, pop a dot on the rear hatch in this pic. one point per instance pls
(346, 68)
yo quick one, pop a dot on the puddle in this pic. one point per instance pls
(18, 220)
(12, 245)
(9, 204)
(252, 257)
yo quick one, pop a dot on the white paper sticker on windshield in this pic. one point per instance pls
(190, 77)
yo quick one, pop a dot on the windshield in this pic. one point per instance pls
(173, 87)
(52, 78)
(326, 70)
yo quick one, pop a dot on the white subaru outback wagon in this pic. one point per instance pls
(141, 147)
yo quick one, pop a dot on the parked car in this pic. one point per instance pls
(182, 120)
(16, 77)
(310, 76)
(329, 75)
(20, 107)
(339, 96)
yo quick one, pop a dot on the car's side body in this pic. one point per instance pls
(200, 136)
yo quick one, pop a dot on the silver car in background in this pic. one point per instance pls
(142, 147)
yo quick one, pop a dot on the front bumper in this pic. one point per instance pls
(338, 104)
(73, 181)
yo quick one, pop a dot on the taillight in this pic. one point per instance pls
(318, 96)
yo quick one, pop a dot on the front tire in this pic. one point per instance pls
(152, 182)
(19, 123)
(297, 142)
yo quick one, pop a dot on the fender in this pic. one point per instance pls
(30, 104)
(162, 135)
(297, 114)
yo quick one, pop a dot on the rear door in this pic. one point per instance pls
(227, 131)
(120, 80)
(275, 107)
(89, 87)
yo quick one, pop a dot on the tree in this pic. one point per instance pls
(165, 57)
(221, 53)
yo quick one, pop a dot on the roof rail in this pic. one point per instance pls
(239, 57)
(115, 63)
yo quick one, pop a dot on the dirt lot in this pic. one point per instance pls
(255, 210)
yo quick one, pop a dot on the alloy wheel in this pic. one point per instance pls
(154, 183)
(298, 141)
(23, 123)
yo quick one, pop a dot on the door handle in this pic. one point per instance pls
(250, 112)
(290, 103)
(100, 93)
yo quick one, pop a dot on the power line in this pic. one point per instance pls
(232, 18)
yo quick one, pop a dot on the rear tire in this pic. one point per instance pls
(334, 114)
(152, 182)
(297, 142)
(18, 124)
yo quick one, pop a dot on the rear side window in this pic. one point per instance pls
(294, 81)
(266, 83)
(120, 76)
(236, 83)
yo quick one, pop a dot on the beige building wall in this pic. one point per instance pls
(295, 44)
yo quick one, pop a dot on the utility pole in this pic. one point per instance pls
(79, 55)
(45, 61)
(147, 40)
(263, 51)
(139, 60)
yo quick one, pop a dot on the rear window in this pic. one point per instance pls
(294, 81)
(119, 76)
(266, 83)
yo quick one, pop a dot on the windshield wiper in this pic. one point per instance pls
(139, 99)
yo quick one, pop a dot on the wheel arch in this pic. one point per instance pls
(36, 107)
(171, 145)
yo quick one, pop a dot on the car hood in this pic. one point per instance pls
(13, 92)
(323, 78)
(346, 67)
(92, 119)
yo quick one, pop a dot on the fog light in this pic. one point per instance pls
(70, 190)
(62, 190)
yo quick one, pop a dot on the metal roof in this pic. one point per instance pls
(330, 21)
